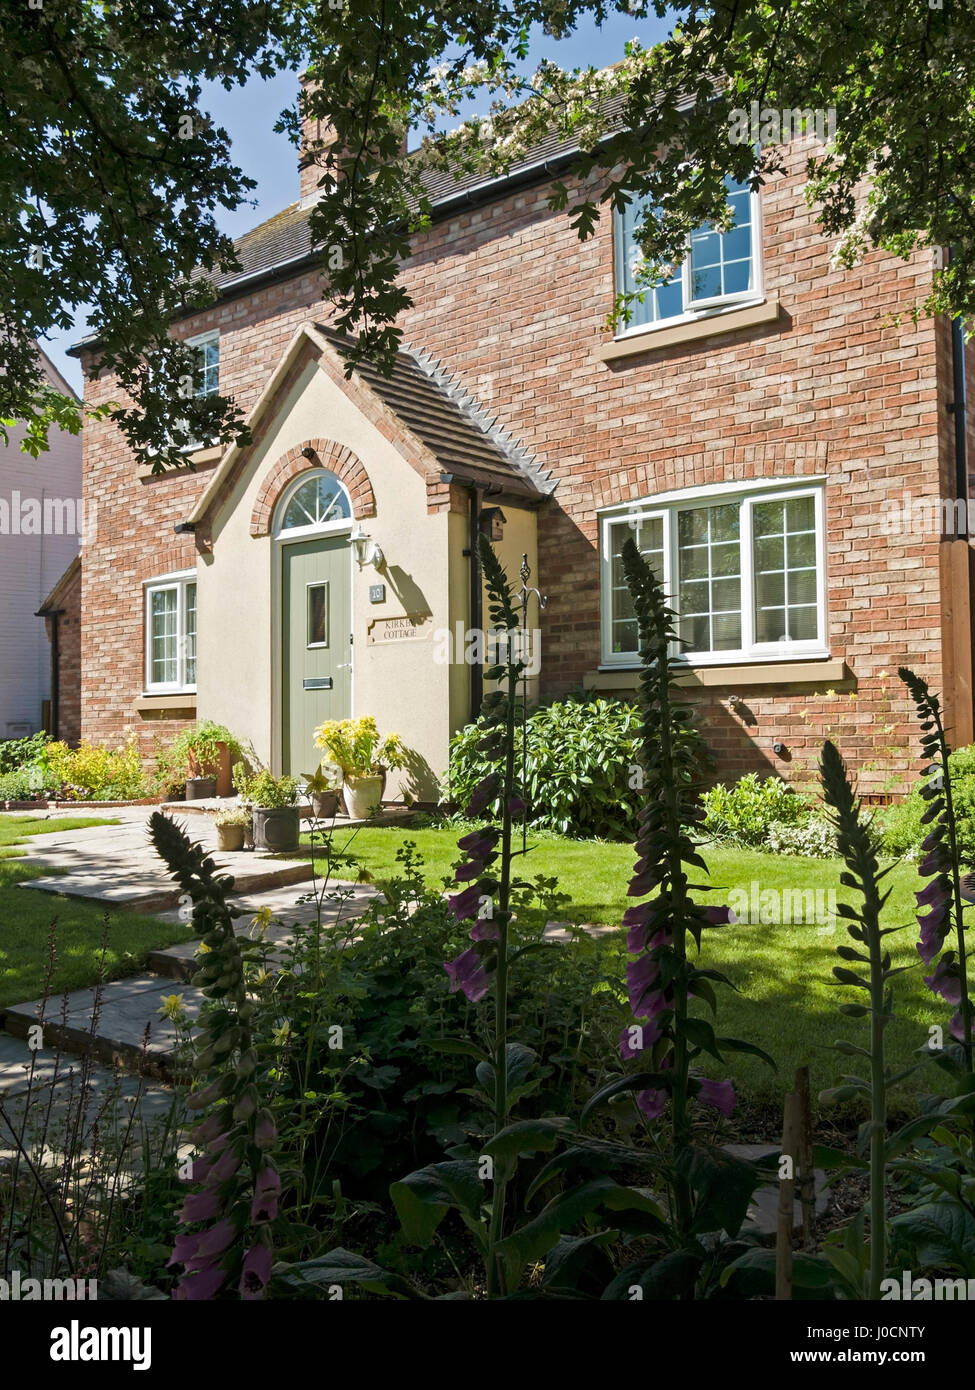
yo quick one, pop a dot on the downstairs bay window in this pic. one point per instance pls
(170, 623)
(743, 570)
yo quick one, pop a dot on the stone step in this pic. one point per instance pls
(148, 893)
(125, 1009)
(179, 962)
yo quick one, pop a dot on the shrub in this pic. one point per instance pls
(17, 786)
(813, 837)
(900, 825)
(90, 773)
(580, 761)
(743, 813)
(20, 753)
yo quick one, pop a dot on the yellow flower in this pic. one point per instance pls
(171, 1007)
(261, 921)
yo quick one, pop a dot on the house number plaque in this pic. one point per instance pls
(406, 629)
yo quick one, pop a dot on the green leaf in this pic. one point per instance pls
(456, 1047)
(527, 1136)
(423, 1199)
(343, 1267)
(669, 1276)
(636, 1081)
(723, 1186)
(941, 1235)
(753, 1274)
(736, 1045)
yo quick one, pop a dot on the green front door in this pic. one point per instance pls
(316, 644)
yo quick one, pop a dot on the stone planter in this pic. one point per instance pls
(326, 806)
(219, 771)
(276, 828)
(199, 788)
(363, 796)
(230, 837)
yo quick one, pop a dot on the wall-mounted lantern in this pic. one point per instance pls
(367, 552)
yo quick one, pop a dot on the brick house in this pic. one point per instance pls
(763, 426)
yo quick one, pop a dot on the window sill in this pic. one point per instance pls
(831, 672)
(198, 458)
(654, 339)
(179, 702)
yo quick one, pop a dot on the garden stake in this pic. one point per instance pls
(791, 1124)
(807, 1176)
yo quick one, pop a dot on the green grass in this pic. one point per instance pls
(26, 918)
(787, 1001)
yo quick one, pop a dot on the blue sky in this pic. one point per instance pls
(248, 115)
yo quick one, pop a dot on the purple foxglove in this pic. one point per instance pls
(200, 1206)
(934, 894)
(932, 933)
(652, 1103)
(645, 1034)
(640, 976)
(482, 795)
(719, 1095)
(636, 938)
(719, 916)
(516, 807)
(224, 1168)
(479, 842)
(933, 838)
(265, 1130)
(957, 1027)
(472, 869)
(466, 904)
(948, 986)
(198, 1287)
(636, 916)
(210, 1128)
(485, 930)
(267, 1189)
(933, 862)
(255, 1272)
(215, 1241)
(468, 975)
(642, 884)
(184, 1248)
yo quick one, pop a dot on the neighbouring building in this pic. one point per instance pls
(778, 442)
(41, 527)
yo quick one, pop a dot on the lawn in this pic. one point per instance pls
(787, 1000)
(26, 919)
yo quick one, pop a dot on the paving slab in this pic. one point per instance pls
(117, 864)
(126, 1008)
(289, 905)
(764, 1208)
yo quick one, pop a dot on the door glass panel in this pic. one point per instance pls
(318, 615)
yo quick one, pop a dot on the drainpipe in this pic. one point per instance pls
(54, 614)
(960, 412)
(474, 560)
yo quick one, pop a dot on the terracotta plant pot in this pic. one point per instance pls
(230, 837)
(325, 807)
(363, 796)
(276, 828)
(199, 788)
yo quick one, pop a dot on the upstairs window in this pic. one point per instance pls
(207, 376)
(171, 633)
(744, 574)
(719, 268)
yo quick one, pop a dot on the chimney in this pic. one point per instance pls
(317, 140)
(317, 143)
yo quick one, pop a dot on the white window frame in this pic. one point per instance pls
(325, 528)
(668, 506)
(695, 309)
(178, 581)
(212, 335)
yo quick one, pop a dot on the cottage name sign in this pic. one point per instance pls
(409, 628)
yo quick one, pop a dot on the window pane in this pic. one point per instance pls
(189, 639)
(317, 615)
(721, 262)
(163, 666)
(786, 579)
(208, 372)
(320, 500)
(648, 532)
(660, 302)
(709, 567)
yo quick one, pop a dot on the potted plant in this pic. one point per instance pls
(231, 828)
(207, 753)
(354, 746)
(323, 787)
(273, 802)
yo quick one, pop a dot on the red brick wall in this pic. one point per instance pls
(69, 659)
(510, 301)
